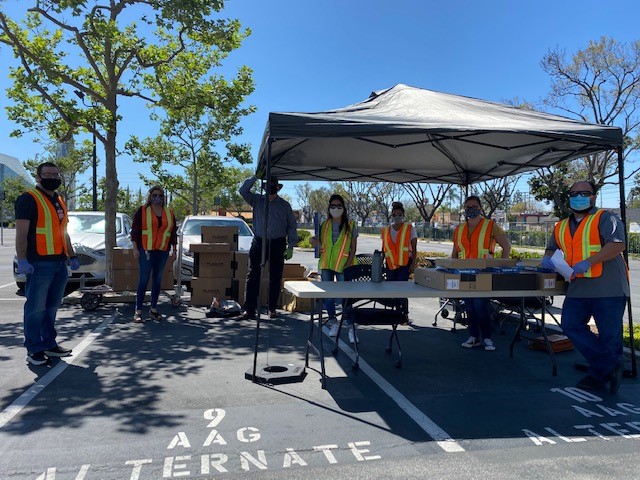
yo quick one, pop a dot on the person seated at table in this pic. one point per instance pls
(477, 238)
(399, 245)
(337, 242)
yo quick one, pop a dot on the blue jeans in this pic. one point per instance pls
(153, 267)
(478, 317)
(602, 351)
(400, 274)
(327, 275)
(44, 291)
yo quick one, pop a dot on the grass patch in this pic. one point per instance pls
(636, 336)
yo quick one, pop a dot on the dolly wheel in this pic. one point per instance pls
(444, 313)
(90, 301)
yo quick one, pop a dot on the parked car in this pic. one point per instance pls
(87, 233)
(191, 230)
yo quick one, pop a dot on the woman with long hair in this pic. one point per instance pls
(338, 240)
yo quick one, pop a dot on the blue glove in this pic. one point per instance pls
(24, 267)
(581, 267)
(547, 263)
(74, 263)
(288, 253)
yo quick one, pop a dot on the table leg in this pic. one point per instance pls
(554, 365)
(521, 325)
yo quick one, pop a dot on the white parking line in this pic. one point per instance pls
(23, 400)
(442, 438)
(9, 284)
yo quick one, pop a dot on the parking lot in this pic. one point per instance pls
(170, 399)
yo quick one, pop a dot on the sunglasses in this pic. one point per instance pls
(157, 195)
(335, 207)
(582, 193)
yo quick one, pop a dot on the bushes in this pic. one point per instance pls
(303, 238)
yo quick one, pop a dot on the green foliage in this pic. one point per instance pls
(423, 258)
(303, 238)
(636, 336)
(524, 254)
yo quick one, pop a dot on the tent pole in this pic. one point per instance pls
(623, 217)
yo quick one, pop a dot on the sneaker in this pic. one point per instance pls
(471, 342)
(273, 314)
(353, 336)
(247, 316)
(590, 383)
(155, 315)
(37, 358)
(615, 378)
(488, 345)
(57, 351)
(333, 330)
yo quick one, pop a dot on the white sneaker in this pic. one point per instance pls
(488, 345)
(471, 342)
(333, 330)
(353, 337)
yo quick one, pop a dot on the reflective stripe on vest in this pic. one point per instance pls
(156, 237)
(334, 256)
(584, 243)
(50, 230)
(480, 245)
(397, 254)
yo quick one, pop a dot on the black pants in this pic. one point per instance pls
(275, 254)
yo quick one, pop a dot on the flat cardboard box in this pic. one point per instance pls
(513, 281)
(443, 280)
(210, 247)
(530, 262)
(461, 263)
(210, 234)
(559, 343)
(123, 259)
(500, 262)
(204, 289)
(213, 265)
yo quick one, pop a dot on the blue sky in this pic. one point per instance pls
(315, 55)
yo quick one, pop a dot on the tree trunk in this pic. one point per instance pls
(111, 197)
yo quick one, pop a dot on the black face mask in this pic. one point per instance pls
(50, 184)
(273, 190)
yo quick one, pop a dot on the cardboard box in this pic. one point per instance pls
(228, 235)
(443, 280)
(127, 280)
(500, 262)
(461, 263)
(210, 247)
(550, 281)
(559, 343)
(123, 259)
(291, 303)
(292, 270)
(241, 260)
(514, 281)
(204, 289)
(213, 265)
(530, 262)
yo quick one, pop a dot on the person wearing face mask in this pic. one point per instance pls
(154, 238)
(338, 241)
(399, 245)
(592, 241)
(477, 238)
(281, 235)
(43, 249)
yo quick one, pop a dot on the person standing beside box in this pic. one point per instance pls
(592, 241)
(154, 237)
(281, 235)
(477, 238)
(43, 248)
(399, 244)
(338, 242)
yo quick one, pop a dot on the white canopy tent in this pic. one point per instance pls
(408, 134)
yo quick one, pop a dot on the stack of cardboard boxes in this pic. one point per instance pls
(125, 272)
(220, 270)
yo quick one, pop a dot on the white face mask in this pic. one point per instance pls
(336, 212)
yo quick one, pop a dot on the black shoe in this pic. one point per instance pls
(590, 383)
(37, 358)
(155, 315)
(615, 378)
(273, 314)
(247, 316)
(57, 351)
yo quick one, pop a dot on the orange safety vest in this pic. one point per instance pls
(480, 245)
(584, 243)
(51, 232)
(334, 256)
(397, 254)
(155, 237)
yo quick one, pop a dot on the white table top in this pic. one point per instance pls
(397, 289)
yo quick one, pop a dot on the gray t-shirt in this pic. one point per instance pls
(613, 281)
(335, 232)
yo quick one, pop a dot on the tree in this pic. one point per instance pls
(600, 84)
(427, 198)
(496, 193)
(77, 48)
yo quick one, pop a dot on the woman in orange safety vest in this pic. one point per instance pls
(337, 242)
(399, 245)
(154, 237)
(477, 238)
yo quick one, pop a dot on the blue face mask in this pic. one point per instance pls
(580, 204)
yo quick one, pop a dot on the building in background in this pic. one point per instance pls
(12, 167)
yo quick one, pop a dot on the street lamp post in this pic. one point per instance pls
(94, 158)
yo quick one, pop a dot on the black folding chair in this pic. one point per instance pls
(366, 311)
(504, 308)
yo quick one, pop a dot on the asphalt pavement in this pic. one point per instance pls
(170, 399)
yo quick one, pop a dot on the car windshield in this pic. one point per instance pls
(193, 226)
(79, 223)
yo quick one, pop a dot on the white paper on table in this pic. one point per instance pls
(562, 267)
